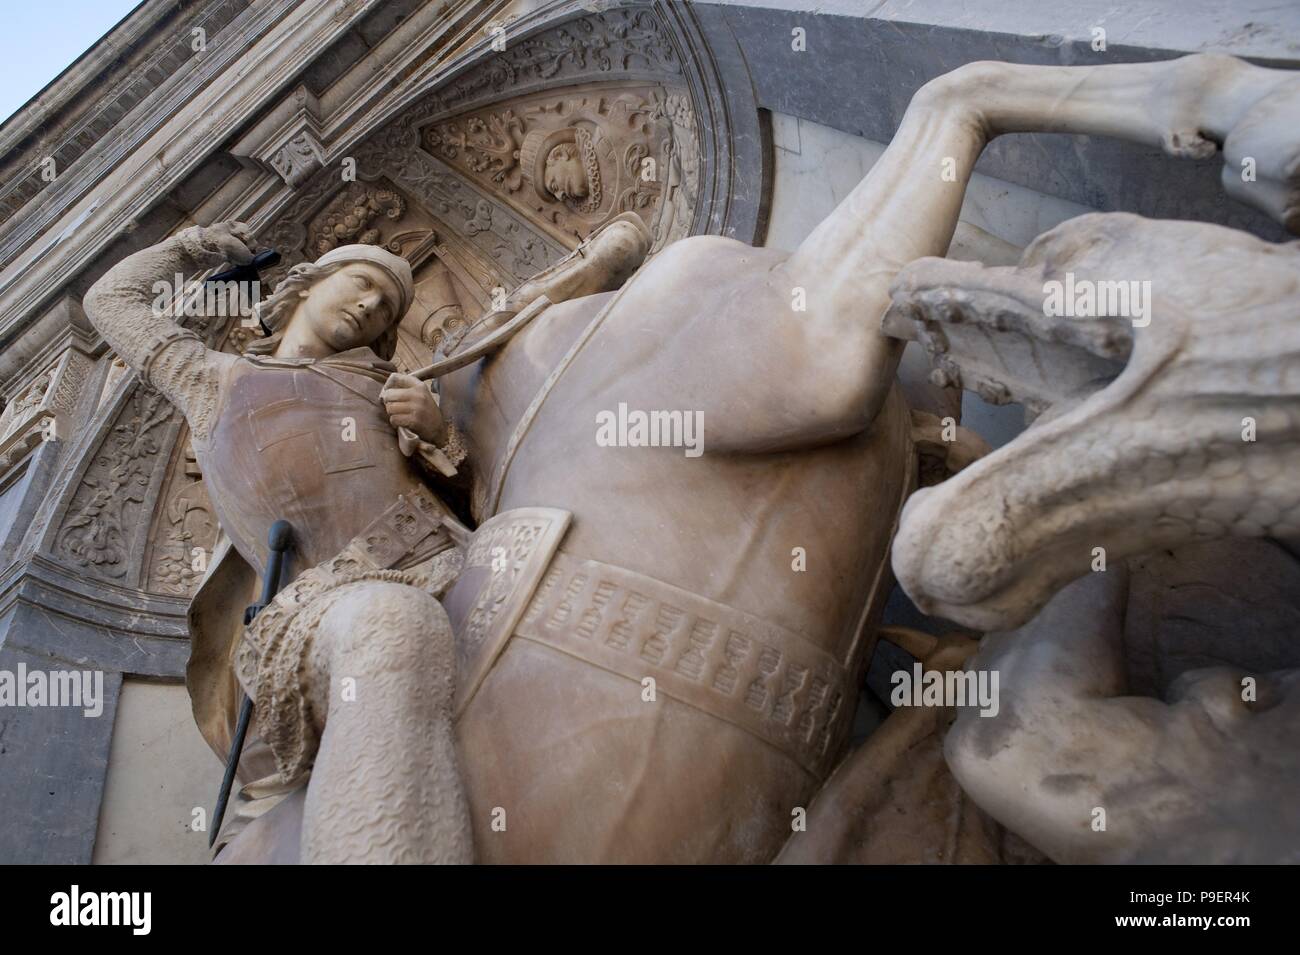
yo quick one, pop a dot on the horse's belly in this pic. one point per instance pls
(567, 762)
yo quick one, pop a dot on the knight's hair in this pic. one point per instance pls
(275, 311)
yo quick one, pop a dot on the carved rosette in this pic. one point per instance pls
(350, 218)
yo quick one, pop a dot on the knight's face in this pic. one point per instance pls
(352, 306)
(565, 177)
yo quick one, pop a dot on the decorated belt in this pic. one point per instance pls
(409, 531)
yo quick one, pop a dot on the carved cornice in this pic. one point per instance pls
(194, 120)
(62, 326)
(112, 102)
(287, 141)
(173, 76)
(111, 627)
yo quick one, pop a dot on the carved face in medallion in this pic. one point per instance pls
(565, 176)
(351, 307)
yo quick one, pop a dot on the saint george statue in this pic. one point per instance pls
(314, 426)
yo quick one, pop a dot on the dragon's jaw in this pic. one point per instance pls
(1128, 471)
(1197, 438)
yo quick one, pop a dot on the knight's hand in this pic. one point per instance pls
(218, 243)
(410, 404)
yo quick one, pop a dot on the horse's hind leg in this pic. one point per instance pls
(907, 206)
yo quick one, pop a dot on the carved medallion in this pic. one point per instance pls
(572, 161)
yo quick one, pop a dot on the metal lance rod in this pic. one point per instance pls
(248, 272)
(278, 541)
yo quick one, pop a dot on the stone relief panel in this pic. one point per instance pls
(114, 497)
(601, 46)
(52, 394)
(23, 406)
(108, 505)
(298, 158)
(184, 530)
(456, 269)
(408, 203)
(571, 161)
(596, 105)
(356, 215)
(514, 248)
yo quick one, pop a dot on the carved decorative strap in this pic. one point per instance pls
(758, 676)
(525, 422)
(751, 673)
(504, 563)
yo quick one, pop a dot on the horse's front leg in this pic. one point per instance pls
(817, 366)
(907, 206)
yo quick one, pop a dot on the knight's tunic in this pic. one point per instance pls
(308, 441)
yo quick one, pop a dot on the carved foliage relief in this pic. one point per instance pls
(108, 505)
(600, 46)
(511, 163)
(185, 527)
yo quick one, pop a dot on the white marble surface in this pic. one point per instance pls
(816, 167)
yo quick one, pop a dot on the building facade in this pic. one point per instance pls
(422, 126)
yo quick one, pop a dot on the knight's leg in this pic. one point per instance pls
(385, 787)
(907, 206)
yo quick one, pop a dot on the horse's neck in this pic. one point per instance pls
(487, 399)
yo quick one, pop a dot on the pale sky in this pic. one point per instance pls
(39, 39)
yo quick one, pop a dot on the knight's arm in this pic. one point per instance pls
(123, 307)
